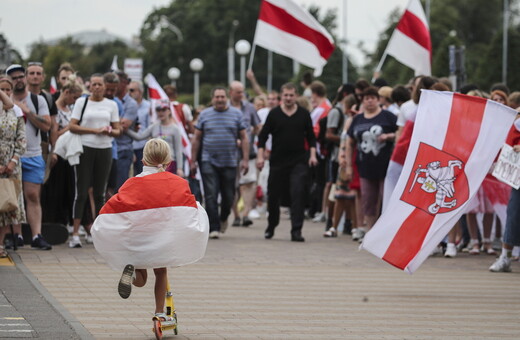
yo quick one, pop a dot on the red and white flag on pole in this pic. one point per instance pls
(410, 42)
(454, 142)
(156, 92)
(287, 29)
(54, 87)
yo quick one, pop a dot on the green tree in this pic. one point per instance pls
(206, 27)
(490, 68)
(472, 23)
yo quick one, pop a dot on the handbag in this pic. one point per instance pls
(9, 191)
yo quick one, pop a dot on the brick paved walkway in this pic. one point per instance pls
(250, 288)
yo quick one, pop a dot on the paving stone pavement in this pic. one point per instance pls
(250, 288)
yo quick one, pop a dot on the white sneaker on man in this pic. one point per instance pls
(214, 235)
(75, 242)
(502, 264)
(451, 250)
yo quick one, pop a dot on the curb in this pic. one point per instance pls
(80, 330)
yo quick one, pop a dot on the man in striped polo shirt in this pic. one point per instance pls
(216, 134)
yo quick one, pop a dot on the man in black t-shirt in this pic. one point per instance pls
(292, 136)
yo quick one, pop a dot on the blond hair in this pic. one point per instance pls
(157, 153)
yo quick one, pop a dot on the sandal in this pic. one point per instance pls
(473, 247)
(331, 233)
(3, 252)
(487, 247)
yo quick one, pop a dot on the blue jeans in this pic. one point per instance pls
(124, 161)
(512, 232)
(218, 180)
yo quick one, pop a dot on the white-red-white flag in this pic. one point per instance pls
(454, 142)
(287, 29)
(54, 87)
(156, 222)
(410, 42)
(156, 92)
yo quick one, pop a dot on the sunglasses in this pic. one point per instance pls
(34, 63)
(19, 77)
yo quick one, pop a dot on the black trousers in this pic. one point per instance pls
(291, 179)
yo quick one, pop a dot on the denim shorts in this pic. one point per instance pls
(33, 169)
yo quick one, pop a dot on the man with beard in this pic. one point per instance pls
(33, 165)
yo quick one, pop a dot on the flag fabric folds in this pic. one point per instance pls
(454, 142)
(410, 42)
(152, 222)
(287, 29)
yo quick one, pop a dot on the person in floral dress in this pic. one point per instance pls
(12, 146)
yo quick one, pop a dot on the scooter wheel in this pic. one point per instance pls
(157, 329)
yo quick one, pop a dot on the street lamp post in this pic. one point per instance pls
(231, 52)
(196, 66)
(243, 47)
(174, 73)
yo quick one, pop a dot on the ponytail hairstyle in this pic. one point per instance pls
(157, 153)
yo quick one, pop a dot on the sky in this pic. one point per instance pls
(26, 21)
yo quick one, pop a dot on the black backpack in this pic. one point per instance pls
(327, 146)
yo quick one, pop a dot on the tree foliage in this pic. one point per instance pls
(86, 60)
(476, 24)
(206, 27)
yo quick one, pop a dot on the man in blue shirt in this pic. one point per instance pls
(218, 129)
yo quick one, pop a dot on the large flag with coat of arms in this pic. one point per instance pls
(454, 142)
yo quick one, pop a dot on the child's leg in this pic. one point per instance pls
(140, 277)
(161, 281)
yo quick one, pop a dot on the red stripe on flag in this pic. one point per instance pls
(153, 93)
(411, 26)
(466, 117)
(160, 190)
(464, 126)
(279, 18)
(409, 239)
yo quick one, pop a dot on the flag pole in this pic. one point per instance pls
(252, 56)
(380, 65)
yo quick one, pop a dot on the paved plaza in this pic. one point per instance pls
(250, 288)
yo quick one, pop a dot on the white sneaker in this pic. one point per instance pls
(82, 231)
(319, 217)
(253, 214)
(358, 234)
(214, 235)
(502, 264)
(89, 240)
(451, 250)
(70, 229)
(75, 242)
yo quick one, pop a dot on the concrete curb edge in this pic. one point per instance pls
(81, 331)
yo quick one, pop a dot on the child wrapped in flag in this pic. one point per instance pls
(152, 222)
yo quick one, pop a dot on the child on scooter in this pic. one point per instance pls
(152, 222)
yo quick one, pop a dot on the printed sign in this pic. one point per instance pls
(507, 168)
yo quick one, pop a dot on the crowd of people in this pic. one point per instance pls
(252, 153)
